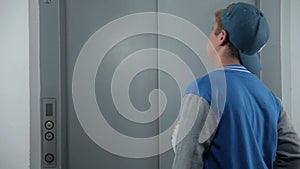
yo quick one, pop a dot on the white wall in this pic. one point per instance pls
(295, 62)
(14, 84)
(290, 37)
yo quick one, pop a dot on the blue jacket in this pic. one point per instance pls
(231, 120)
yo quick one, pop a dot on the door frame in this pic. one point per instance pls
(43, 84)
(34, 76)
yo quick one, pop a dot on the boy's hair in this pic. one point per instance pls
(218, 16)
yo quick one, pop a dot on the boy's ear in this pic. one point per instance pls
(223, 37)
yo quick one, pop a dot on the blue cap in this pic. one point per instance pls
(248, 31)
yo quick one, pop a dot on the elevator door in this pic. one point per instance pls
(106, 64)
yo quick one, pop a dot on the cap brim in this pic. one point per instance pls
(251, 62)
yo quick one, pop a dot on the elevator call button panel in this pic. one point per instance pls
(48, 131)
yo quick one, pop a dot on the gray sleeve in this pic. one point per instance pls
(196, 128)
(288, 149)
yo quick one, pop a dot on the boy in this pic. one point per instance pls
(251, 130)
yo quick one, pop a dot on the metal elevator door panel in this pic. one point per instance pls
(116, 79)
(83, 20)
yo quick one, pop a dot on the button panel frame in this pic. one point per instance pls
(48, 128)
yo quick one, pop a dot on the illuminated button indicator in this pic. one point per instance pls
(49, 125)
